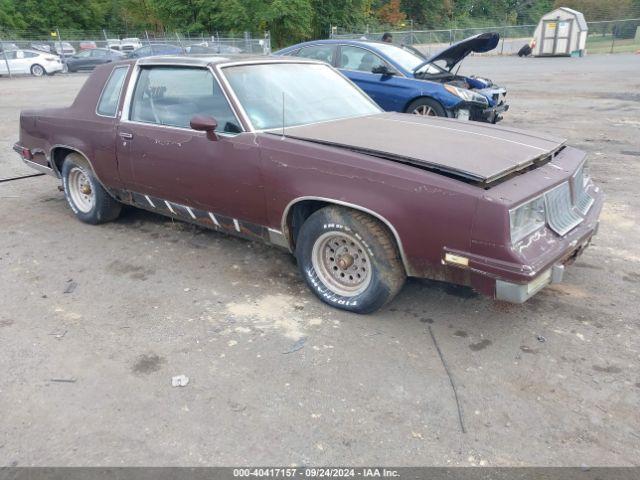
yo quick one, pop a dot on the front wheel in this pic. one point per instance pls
(90, 202)
(349, 259)
(426, 107)
(37, 70)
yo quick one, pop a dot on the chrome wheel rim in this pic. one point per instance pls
(80, 189)
(424, 110)
(37, 70)
(341, 263)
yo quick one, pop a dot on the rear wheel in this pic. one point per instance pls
(90, 202)
(426, 107)
(349, 259)
(37, 70)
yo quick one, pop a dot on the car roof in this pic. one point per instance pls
(206, 60)
(335, 41)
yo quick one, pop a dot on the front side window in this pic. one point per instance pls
(355, 58)
(98, 53)
(83, 54)
(317, 52)
(172, 96)
(108, 103)
(279, 94)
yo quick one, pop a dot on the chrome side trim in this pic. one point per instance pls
(40, 168)
(277, 238)
(214, 219)
(287, 233)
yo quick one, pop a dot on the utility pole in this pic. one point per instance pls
(64, 60)
(6, 60)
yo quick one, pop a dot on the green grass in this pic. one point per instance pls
(602, 44)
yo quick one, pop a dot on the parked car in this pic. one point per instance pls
(30, 61)
(42, 46)
(212, 49)
(156, 49)
(87, 45)
(401, 80)
(130, 44)
(113, 44)
(90, 59)
(362, 197)
(63, 48)
(8, 46)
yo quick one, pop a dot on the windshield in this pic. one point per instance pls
(406, 59)
(312, 93)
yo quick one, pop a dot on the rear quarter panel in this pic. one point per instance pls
(77, 127)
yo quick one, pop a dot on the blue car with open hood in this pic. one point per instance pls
(402, 79)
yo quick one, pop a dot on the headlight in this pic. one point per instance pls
(467, 95)
(526, 219)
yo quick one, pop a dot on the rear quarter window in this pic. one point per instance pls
(109, 99)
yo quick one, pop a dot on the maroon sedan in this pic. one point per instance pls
(290, 152)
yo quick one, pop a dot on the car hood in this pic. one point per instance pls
(471, 151)
(483, 42)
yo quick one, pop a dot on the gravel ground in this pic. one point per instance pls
(94, 322)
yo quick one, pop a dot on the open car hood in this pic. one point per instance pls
(470, 151)
(483, 42)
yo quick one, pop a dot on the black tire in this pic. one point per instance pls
(38, 70)
(101, 207)
(428, 104)
(371, 238)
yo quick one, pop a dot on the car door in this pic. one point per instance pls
(14, 64)
(160, 156)
(81, 60)
(358, 64)
(98, 57)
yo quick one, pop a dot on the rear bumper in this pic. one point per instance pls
(36, 159)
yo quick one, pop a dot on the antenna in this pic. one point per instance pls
(283, 114)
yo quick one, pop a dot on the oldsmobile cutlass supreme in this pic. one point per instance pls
(288, 151)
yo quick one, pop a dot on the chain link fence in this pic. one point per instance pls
(612, 36)
(66, 43)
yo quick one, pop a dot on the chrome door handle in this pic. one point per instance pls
(126, 135)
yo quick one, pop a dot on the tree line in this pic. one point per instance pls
(288, 21)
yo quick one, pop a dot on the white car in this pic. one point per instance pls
(114, 44)
(30, 61)
(130, 44)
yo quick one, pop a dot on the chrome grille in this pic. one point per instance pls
(561, 216)
(583, 199)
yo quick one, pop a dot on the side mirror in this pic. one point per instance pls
(205, 123)
(383, 70)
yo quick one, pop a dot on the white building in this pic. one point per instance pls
(562, 32)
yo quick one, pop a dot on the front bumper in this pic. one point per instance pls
(520, 293)
(489, 114)
(480, 113)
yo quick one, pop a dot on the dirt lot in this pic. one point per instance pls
(94, 322)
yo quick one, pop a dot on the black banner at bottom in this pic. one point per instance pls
(306, 473)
